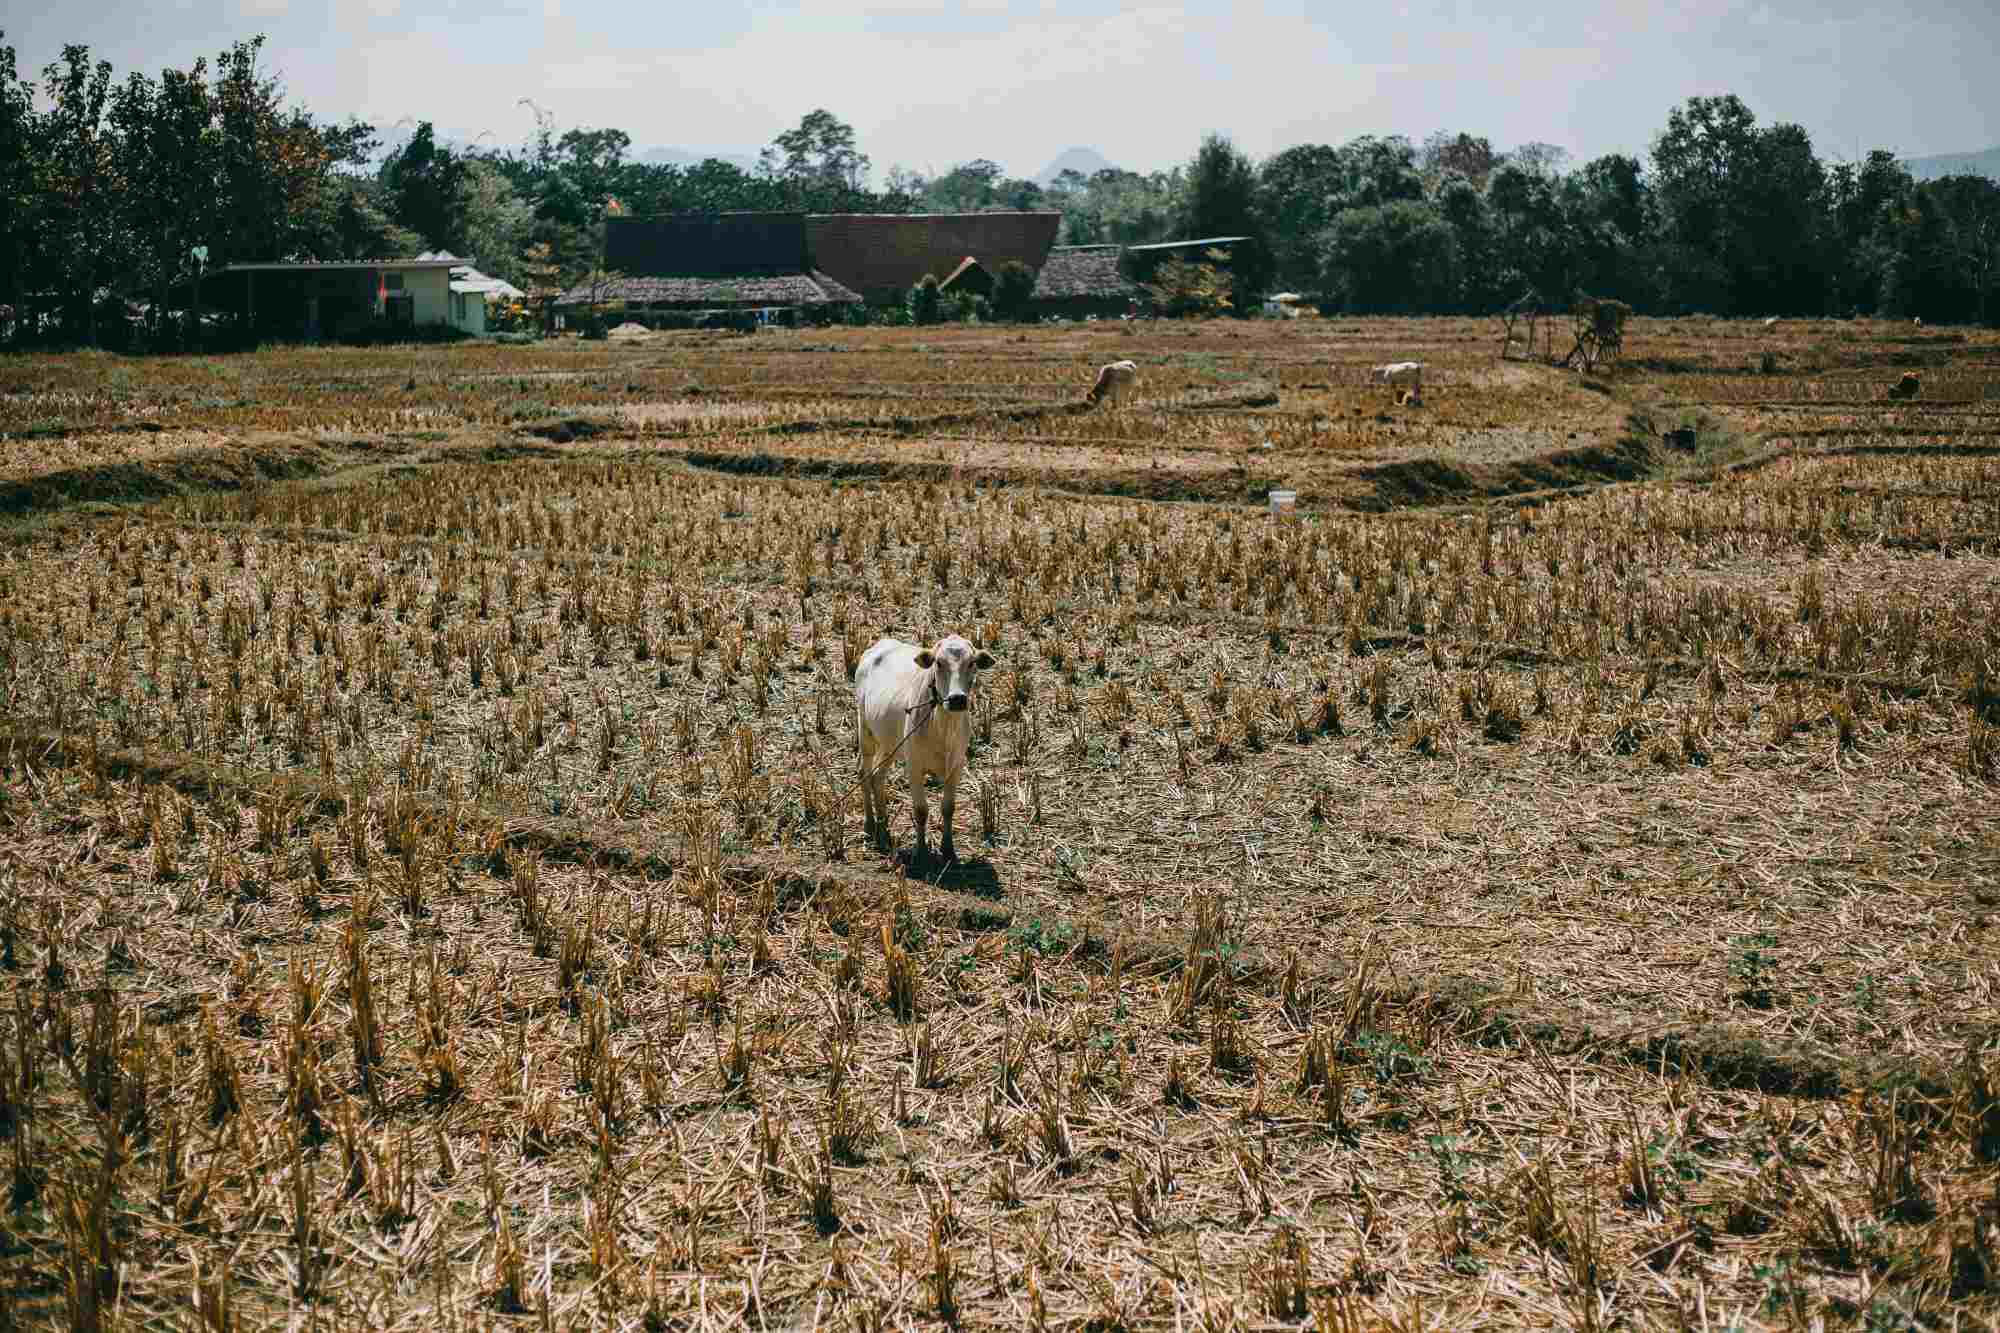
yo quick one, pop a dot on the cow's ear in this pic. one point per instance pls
(925, 661)
(984, 660)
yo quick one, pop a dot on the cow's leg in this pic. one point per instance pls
(947, 807)
(920, 808)
(875, 815)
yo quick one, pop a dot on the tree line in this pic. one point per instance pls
(120, 185)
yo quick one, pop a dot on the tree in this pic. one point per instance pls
(1297, 192)
(1395, 257)
(79, 212)
(1470, 156)
(1534, 243)
(1537, 159)
(966, 188)
(1221, 200)
(1020, 194)
(1700, 162)
(1971, 209)
(816, 163)
(165, 156)
(424, 185)
(1119, 207)
(1608, 207)
(20, 192)
(1182, 287)
(497, 223)
(275, 168)
(926, 304)
(1013, 289)
(361, 229)
(1480, 283)
(1374, 171)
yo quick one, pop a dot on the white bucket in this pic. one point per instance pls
(1284, 503)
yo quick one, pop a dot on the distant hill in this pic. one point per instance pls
(1086, 161)
(681, 157)
(1955, 164)
(459, 141)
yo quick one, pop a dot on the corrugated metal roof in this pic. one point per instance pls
(1182, 245)
(321, 265)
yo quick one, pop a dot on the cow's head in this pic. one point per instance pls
(953, 664)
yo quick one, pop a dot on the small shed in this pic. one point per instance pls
(969, 276)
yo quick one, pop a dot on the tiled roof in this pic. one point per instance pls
(881, 253)
(1080, 271)
(785, 290)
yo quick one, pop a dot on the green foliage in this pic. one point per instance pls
(1051, 937)
(1221, 200)
(425, 185)
(926, 306)
(1013, 289)
(1181, 287)
(965, 308)
(816, 165)
(1397, 257)
(1117, 207)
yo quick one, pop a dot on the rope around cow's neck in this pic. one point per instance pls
(931, 702)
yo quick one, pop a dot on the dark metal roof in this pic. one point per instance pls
(880, 253)
(707, 245)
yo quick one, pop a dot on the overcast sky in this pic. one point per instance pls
(929, 84)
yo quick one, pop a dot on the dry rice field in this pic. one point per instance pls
(1549, 881)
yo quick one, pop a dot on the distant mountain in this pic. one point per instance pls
(1085, 161)
(1955, 164)
(458, 141)
(394, 138)
(681, 157)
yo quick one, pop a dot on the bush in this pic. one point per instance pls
(967, 308)
(1013, 289)
(926, 305)
(1180, 288)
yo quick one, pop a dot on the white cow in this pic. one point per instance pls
(906, 693)
(1115, 381)
(1402, 372)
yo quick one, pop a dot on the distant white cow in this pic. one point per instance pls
(1402, 372)
(903, 691)
(1115, 381)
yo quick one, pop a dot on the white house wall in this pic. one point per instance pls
(430, 294)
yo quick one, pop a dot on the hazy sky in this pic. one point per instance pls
(929, 84)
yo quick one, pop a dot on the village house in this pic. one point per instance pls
(314, 299)
(684, 263)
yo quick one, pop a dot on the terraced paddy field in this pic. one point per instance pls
(1550, 880)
